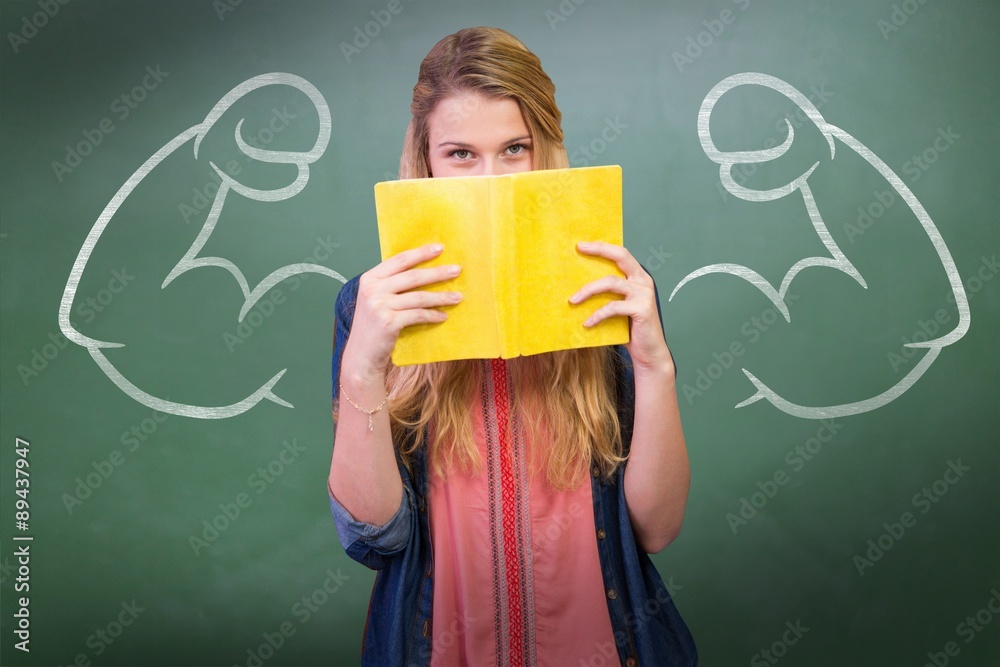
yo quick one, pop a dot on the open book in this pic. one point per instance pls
(515, 238)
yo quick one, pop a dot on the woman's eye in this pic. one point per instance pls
(516, 149)
(461, 154)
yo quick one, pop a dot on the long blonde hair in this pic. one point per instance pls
(568, 398)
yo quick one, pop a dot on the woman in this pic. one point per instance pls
(508, 506)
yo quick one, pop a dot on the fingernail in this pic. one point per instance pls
(437, 247)
(454, 270)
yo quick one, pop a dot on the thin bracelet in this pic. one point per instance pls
(370, 413)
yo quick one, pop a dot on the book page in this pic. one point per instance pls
(554, 210)
(454, 212)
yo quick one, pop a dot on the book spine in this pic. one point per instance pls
(503, 230)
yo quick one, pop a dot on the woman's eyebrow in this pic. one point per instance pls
(462, 144)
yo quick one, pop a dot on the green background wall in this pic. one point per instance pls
(782, 508)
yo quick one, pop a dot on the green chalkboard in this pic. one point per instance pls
(186, 185)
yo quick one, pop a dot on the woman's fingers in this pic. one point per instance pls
(403, 310)
(614, 284)
(611, 309)
(617, 254)
(413, 278)
(389, 300)
(636, 288)
(424, 300)
(397, 273)
(411, 316)
(406, 260)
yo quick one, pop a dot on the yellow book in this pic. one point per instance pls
(515, 238)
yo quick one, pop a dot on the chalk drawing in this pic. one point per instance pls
(836, 258)
(192, 259)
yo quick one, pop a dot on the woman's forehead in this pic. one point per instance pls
(474, 118)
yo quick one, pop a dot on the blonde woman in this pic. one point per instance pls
(508, 506)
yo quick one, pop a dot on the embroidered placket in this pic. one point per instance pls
(510, 537)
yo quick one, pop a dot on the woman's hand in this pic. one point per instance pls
(386, 304)
(657, 475)
(364, 476)
(646, 346)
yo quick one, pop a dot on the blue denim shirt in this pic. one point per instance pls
(648, 629)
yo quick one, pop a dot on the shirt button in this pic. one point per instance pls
(631, 662)
(427, 627)
(612, 594)
(596, 471)
(601, 534)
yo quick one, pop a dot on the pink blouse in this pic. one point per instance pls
(517, 580)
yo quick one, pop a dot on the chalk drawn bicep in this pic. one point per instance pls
(800, 186)
(294, 162)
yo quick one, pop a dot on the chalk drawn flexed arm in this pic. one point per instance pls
(799, 186)
(192, 258)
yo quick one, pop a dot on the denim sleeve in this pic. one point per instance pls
(358, 537)
(344, 318)
(659, 312)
